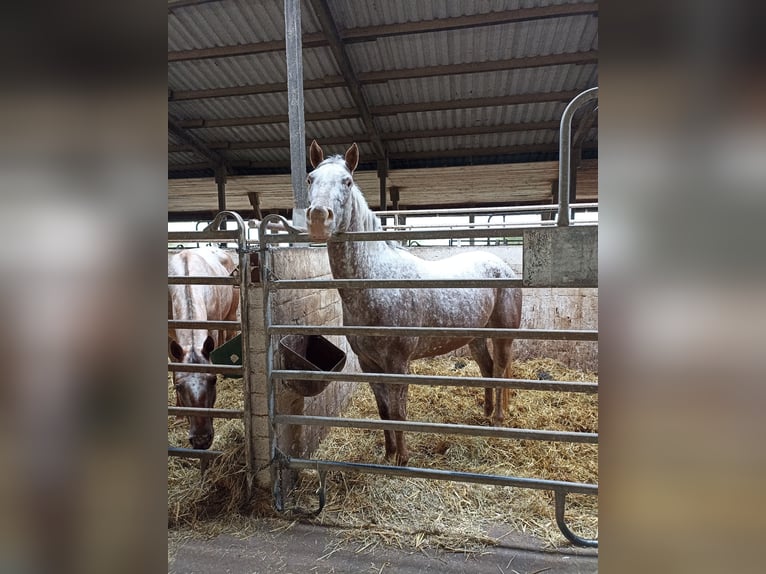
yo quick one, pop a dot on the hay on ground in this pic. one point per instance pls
(413, 513)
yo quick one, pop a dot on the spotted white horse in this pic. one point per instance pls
(337, 205)
(199, 303)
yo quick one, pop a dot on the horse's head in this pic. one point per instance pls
(195, 390)
(330, 186)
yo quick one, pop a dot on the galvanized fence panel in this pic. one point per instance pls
(280, 461)
(241, 279)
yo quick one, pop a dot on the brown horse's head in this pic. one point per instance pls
(195, 390)
(330, 186)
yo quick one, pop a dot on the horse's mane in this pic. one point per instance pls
(368, 220)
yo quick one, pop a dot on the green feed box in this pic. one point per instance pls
(230, 353)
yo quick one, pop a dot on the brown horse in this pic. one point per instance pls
(199, 303)
(337, 205)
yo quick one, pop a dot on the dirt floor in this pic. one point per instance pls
(280, 547)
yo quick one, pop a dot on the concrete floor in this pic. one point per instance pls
(307, 548)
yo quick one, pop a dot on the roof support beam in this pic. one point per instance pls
(391, 136)
(323, 14)
(371, 33)
(195, 144)
(590, 57)
(393, 156)
(416, 107)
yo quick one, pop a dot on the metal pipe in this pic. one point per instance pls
(394, 283)
(432, 473)
(296, 123)
(478, 382)
(193, 453)
(438, 428)
(229, 370)
(210, 325)
(413, 234)
(478, 210)
(560, 503)
(205, 412)
(565, 136)
(201, 280)
(174, 236)
(480, 333)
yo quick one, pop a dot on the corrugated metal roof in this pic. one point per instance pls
(235, 26)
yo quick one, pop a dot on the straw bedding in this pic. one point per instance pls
(412, 513)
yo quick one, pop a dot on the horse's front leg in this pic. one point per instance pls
(398, 394)
(382, 400)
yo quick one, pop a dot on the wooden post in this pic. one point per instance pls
(255, 203)
(550, 215)
(293, 45)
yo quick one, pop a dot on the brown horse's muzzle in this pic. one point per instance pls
(319, 223)
(201, 441)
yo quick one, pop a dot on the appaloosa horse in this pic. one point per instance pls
(199, 303)
(337, 205)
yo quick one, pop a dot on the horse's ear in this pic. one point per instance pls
(207, 347)
(352, 157)
(316, 155)
(176, 351)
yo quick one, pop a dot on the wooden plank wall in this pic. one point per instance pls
(499, 184)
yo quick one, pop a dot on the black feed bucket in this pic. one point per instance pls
(310, 353)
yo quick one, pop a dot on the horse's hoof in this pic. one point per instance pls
(402, 460)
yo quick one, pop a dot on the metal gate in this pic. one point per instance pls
(547, 263)
(240, 278)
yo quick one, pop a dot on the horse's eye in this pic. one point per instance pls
(178, 386)
(347, 181)
(309, 180)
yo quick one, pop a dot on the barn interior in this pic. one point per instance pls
(452, 104)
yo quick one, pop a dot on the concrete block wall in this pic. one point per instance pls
(300, 307)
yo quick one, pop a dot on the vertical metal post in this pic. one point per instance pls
(565, 144)
(294, 45)
(382, 173)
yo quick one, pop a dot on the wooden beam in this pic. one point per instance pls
(195, 143)
(391, 136)
(478, 67)
(372, 33)
(252, 196)
(330, 29)
(309, 41)
(415, 107)
(274, 88)
(382, 76)
(369, 33)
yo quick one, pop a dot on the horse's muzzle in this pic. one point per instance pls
(319, 222)
(201, 441)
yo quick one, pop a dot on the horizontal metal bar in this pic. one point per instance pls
(436, 474)
(394, 283)
(458, 233)
(454, 332)
(482, 210)
(204, 412)
(439, 428)
(204, 236)
(478, 382)
(212, 368)
(184, 324)
(201, 280)
(193, 453)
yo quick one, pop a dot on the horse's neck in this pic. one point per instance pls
(361, 259)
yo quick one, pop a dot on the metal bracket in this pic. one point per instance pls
(560, 498)
(282, 461)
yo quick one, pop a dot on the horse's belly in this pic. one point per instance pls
(432, 347)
